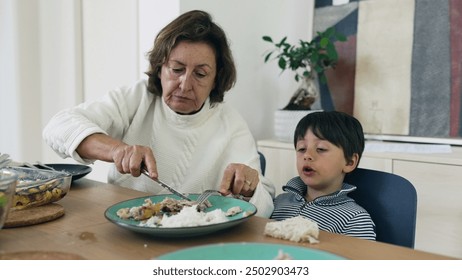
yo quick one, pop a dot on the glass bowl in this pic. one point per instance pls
(36, 187)
(8, 180)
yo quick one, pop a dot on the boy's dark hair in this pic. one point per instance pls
(341, 129)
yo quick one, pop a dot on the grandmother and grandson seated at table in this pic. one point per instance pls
(176, 125)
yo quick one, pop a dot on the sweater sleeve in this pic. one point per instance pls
(110, 115)
(242, 149)
(263, 197)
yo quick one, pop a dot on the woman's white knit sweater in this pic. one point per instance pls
(191, 151)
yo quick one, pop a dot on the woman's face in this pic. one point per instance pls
(188, 76)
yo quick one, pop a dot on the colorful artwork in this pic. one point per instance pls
(400, 71)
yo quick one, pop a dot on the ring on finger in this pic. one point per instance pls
(248, 182)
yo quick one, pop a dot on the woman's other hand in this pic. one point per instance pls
(239, 179)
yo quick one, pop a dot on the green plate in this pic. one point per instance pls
(248, 251)
(218, 202)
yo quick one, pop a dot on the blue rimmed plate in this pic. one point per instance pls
(218, 202)
(248, 251)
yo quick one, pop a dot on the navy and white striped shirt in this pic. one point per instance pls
(336, 212)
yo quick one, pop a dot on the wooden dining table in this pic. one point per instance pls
(84, 231)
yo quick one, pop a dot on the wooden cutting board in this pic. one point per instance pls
(34, 215)
(39, 255)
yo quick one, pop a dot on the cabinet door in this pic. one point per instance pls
(381, 164)
(439, 209)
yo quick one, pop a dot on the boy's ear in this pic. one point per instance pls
(352, 163)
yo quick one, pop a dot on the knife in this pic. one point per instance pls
(164, 185)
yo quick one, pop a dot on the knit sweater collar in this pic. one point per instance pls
(297, 187)
(183, 121)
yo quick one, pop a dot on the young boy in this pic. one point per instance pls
(328, 145)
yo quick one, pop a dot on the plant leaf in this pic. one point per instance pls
(322, 78)
(306, 57)
(341, 37)
(318, 68)
(332, 52)
(282, 63)
(324, 42)
(329, 32)
(282, 42)
(267, 39)
(314, 58)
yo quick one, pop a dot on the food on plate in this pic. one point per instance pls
(149, 209)
(175, 213)
(297, 229)
(233, 211)
(188, 217)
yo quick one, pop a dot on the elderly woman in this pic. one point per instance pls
(175, 123)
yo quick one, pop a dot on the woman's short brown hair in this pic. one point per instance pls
(194, 26)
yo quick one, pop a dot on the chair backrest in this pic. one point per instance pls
(391, 200)
(262, 163)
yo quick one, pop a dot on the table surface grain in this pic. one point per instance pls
(84, 230)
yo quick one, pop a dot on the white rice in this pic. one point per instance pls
(296, 229)
(188, 217)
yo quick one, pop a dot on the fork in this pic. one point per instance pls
(204, 196)
(44, 166)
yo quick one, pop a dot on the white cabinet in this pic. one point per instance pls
(439, 209)
(436, 177)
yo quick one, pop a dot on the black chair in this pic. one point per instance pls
(262, 163)
(391, 200)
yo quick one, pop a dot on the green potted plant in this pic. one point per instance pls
(308, 60)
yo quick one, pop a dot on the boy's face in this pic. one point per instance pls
(322, 165)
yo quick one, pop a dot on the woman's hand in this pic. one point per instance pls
(128, 159)
(239, 179)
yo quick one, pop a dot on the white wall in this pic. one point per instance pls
(260, 89)
(153, 15)
(110, 45)
(61, 72)
(58, 53)
(9, 99)
(39, 73)
(19, 78)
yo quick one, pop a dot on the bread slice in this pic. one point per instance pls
(297, 229)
